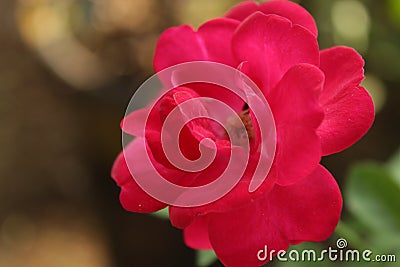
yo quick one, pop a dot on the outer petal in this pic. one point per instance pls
(270, 45)
(237, 236)
(242, 10)
(210, 43)
(292, 11)
(311, 208)
(297, 114)
(132, 197)
(196, 234)
(349, 110)
(306, 211)
(135, 121)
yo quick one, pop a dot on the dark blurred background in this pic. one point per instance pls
(67, 71)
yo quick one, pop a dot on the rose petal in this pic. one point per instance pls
(191, 133)
(210, 43)
(342, 66)
(271, 45)
(311, 208)
(297, 114)
(349, 110)
(132, 197)
(182, 217)
(196, 234)
(239, 196)
(134, 122)
(220, 93)
(238, 235)
(242, 10)
(292, 11)
(306, 211)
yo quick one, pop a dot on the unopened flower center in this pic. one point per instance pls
(235, 129)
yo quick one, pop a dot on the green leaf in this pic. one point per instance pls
(386, 243)
(163, 214)
(205, 257)
(373, 197)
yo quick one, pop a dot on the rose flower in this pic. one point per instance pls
(318, 106)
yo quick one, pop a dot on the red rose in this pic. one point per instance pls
(318, 106)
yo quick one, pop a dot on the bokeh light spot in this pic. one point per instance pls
(351, 23)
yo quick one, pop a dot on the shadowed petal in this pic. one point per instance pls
(196, 234)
